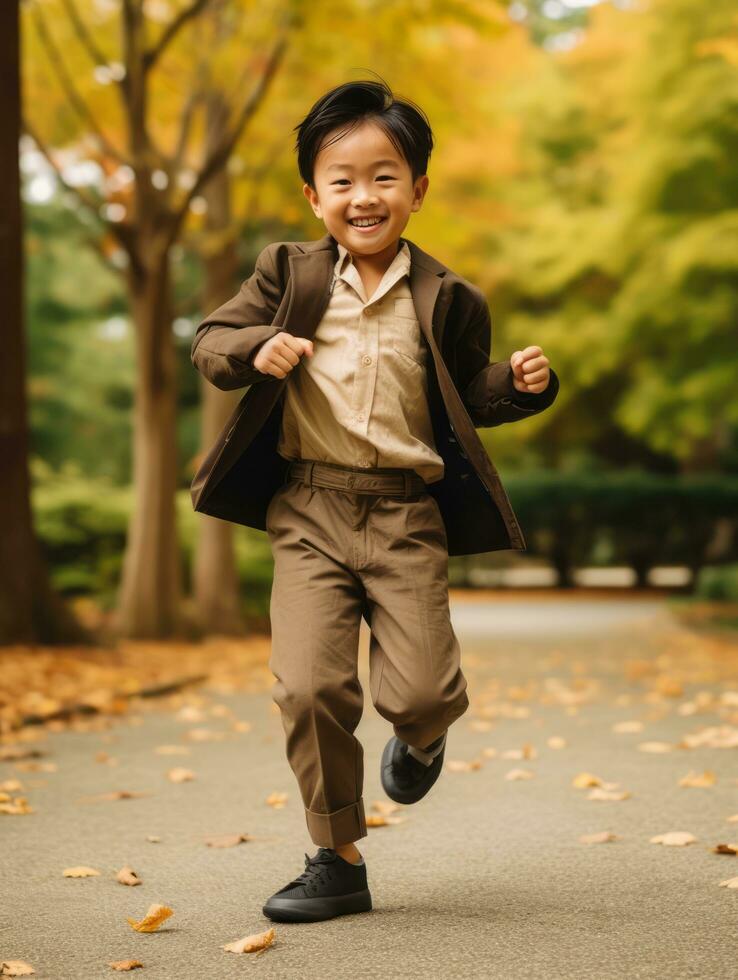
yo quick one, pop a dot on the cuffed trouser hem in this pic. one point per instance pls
(342, 826)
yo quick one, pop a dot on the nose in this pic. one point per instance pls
(363, 198)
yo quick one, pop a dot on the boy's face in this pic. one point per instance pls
(363, 175)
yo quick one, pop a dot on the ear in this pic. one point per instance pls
(419, 191)
(312, 198)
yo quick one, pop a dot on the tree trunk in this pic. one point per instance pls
(30, 611)
(151, 586)
(215, 580)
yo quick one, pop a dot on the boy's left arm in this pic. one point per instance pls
(486, 388)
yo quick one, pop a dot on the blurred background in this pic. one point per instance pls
(584, 176)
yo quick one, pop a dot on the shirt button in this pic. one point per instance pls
(366, 359)
(370, 310)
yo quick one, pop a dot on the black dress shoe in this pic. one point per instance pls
(328, 886)
(404, 778)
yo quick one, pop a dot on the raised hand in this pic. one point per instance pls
(279, 355)
(530, 370)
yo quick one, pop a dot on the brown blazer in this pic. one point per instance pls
(289, 290)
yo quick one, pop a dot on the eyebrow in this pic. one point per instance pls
(348, 166)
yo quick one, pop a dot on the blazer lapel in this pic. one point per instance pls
(311, 273)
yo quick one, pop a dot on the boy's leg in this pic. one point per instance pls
(416, 681)
(316, 608)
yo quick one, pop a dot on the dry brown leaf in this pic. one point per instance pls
(154, 917)
(698, 780)
(124, 965)
(519, 774)
(116, 794)
(729, 883)
(18, 806)
(462, 765)
(670, 687)
(380, 820)
(655, 747)
(674, 838)
(585, 779)
(228, 840)
(385, 807)
(603, 837)
(731, 849)
(276, 799)
(607, 795)
(127, 876)
(556, 742)
(80, 872)
(15, 968)
(252, 944)
(180, 775)
(11, 785)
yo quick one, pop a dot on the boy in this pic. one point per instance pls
(369, 368)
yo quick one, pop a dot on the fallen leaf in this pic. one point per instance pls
(556, 742)
(385, 807)
(698, 779)
(127, 876)
(205, 735)
(154, 917)
(252, 944)
(116, 794)
(461, 765)
(17, 806)
(519, 774)
(153, 838)
(80, 872)
(15, 968)
(729, 883)
(490, 752)
(180, 775)
(674, 838)
(733, 818)
(480, 725)
(242, 726)
(124, 965)
(725, 849)
(607, 795)
(603, 837)
(655, 747)
(585, 779)
(277, 800)
(11, 785)
(228, 840)
(379, 820)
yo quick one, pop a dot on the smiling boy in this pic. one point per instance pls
(369, 367)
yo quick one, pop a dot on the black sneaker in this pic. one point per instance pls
(404, 778)
(328, 886)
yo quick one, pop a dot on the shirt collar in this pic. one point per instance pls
(401, 260)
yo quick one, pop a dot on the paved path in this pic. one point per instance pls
(485, 878)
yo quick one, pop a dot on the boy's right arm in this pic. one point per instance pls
(227, 340)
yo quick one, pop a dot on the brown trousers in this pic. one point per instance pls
(348, 542)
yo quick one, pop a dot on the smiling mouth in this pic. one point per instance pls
(372, 224)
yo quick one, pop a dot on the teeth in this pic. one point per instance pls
(364, 222)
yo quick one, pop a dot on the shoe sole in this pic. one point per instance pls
(407, 796)
(317, 909)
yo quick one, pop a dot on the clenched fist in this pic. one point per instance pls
(279, 355)
(530, 370)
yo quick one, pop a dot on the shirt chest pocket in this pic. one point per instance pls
(406, 335)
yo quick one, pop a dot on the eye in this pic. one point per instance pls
(386, 177)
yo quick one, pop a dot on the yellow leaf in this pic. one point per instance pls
(627, 727)
(519, 774)
(674, 838)
(180, 775)
(276, 799)
(385, 807)
(252, 944)
(603, 837)
(729, 883)
(655, 747)
(698, 779)
(607, 795)
(124, 965)
(556, 742)
(80, 872)
(127, 876)
(585, 779)
(154, 917)
(15, 968)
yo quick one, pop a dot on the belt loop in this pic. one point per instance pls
(309, 474)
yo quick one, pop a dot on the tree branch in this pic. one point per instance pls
(218, 157)
(171, 31)
(85, 38)
(72, 94)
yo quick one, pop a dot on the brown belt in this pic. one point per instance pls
(389, 480)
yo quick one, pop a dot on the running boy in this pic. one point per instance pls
(384, 475)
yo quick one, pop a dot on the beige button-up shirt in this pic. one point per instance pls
(362, 398)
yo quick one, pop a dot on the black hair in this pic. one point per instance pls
(405, 124)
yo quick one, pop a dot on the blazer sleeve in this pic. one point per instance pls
(226, 341)
(486, 388)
